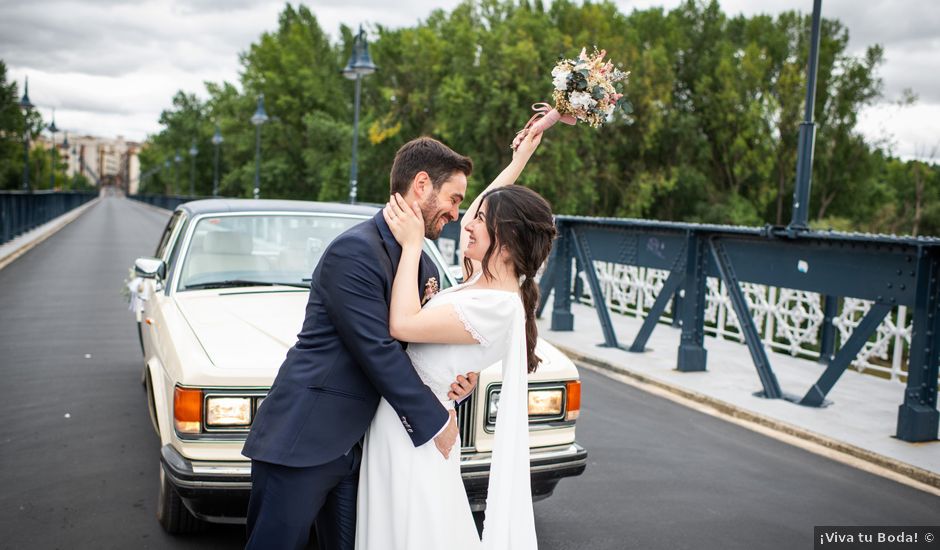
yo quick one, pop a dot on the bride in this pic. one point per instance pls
(413, 498)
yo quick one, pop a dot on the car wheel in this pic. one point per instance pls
(140, 337)
(478, 518)
(171, 512)
(151, 404)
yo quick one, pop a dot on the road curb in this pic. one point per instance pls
(724, 408)
(45, 231)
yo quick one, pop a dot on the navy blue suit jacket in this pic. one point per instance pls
(328, 388)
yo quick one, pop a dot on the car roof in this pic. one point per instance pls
(213, 206)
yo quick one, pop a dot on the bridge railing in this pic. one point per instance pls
(21, 211)
(169, 202)
(868, 300)
(788, 320)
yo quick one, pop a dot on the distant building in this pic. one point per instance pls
(104, 161)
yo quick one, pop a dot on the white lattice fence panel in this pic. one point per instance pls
(882, 352)
(788, 320)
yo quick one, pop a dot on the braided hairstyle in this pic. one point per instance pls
(519, 220)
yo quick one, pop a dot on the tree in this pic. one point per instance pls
(712, 136)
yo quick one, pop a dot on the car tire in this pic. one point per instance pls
(140, 338)
(478, 518)
(172, 513)
(151, 403)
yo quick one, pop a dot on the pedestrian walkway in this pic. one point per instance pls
(861, 421)
(14, 248)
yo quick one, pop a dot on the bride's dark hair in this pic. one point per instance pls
(520, 220)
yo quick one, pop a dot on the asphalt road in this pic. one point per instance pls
(79, 462)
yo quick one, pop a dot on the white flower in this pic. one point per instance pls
(560, 80)
(581, 100)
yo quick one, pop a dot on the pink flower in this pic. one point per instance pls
(430, 289)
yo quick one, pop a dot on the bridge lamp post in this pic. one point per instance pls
(166, 184)
(26, 105)
(52, 129)
(259, 118)
(65, 147)
(177, 159)
(216, 142)
(360, 64)
(193, 151)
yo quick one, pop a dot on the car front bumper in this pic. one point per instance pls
(547, 466)
(218, 491)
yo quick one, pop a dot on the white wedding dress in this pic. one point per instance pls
(412, 498)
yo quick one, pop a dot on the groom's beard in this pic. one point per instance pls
(430, 211)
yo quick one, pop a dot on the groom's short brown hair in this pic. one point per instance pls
(428, 155)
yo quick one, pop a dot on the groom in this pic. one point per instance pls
(304, 443)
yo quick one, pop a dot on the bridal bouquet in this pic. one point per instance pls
(584, 90)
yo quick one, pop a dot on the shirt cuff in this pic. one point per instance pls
(444, 427)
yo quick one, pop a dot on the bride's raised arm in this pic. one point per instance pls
(406, 320)
(509, 175)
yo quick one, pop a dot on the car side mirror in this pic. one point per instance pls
(150, 268)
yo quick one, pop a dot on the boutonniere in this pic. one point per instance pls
(430, 289)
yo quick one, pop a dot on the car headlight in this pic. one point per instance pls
(546, 402)
(543, 403)
(492, 407)
(228, 412)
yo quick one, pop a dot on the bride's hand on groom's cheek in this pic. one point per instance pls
(406, 222)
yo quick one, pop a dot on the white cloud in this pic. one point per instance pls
(110, 66)
(908, 132)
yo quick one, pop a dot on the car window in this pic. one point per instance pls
(264, 248)
(167, 233)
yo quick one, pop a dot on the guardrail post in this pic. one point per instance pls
(676, 307)
(827, 338)
(562, 318)
(918, 416)
(692, 353)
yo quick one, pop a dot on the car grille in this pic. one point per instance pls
(465, 422)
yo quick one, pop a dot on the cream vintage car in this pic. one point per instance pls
(219, 305)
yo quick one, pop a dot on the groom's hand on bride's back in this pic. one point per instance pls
(460, 389)
(448, 437)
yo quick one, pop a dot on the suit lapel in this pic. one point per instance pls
(426, 268)
(392, 248)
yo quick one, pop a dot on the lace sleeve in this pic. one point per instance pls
(486, 315)
(469, 326)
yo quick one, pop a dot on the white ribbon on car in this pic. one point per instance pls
(139, 294)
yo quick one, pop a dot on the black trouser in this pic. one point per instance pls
(286, 501)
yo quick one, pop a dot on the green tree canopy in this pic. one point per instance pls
(717, 104)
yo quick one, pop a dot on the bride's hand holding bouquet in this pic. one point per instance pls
(586, 89)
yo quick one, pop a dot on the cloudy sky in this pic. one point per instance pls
(109, 67)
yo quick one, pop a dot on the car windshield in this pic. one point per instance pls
(259, 249)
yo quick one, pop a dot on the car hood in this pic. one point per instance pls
(244, 330)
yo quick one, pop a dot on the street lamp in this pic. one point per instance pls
(360, 65)
(65, 147)
(259, 118)
(177, 159)
(216, 141)
(26, 105)
(71, 164)
(192, 168)
(53, 130)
